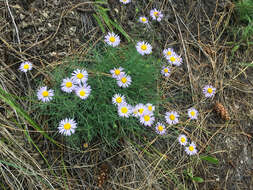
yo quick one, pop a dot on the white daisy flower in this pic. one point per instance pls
(116, 72)
(165, 71)
(25, 66)
(209, 91)
(150, 107)
(124, 110)
(67, 126)
(118, 99)
(174, 59)
(80, 76)
(178, 61)
(147, 118)
(125, 1)
(68, 85)
(156, 15)
(193, 113)
(191, 149)
(135, 112)
(182, 140)
(171, 117)
(168, 52)
(112, 39)
(44, 94)
(144, 48)
(83, 91)
(143, 20)
(124, 81)
(160, 128)
(140, 108)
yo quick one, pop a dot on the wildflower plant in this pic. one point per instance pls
(98, 107)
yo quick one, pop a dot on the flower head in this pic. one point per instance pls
(191, 149)
(193, 113)
(165, 71)
(143, 20)
(68, 85)
(124, 110)
(80, 76)
(168, 52)
(112, 39)
(160, 128)
(171, 117)
(144, 48)
(83, 91)
(44, 94)
(135, 112)
(116, 72)
(140, 109)
(67, 126)
(182, 140)
(209, 91)
(147, 118)
(118, 99)
(125, 1)
(124, 81)
(150, 107)
(156, 15)
(25, 66)
(174, 59)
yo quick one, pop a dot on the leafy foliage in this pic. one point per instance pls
(96, 116)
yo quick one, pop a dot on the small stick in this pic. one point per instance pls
(13, 21)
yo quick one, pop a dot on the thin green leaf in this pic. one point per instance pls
(210, 159)
(99, 23)
(198, 179)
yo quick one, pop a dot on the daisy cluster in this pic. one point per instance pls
(77, 83)
(145, 112)
(190, 148)
(155, 15)
(123, 80)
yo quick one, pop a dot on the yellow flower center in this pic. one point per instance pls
(117, 72)
(82, 93)
(150, 108)
(168, 52)
(183, 140)
(26, 66)
(67, 126)
(79, 75)
(112, 39)
(172, 117)
(146, 117)
(141, 110)
(144, 47)
(143, 19)
(124, 110)
(191, 148)
(192, 113)
(119, 100)
(156, 14)
(160, 128)
(45, 93)
(124, 80)
(172, 59)
(68, 84)
(210, 90)
(166, 70)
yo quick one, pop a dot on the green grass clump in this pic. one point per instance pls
(96, 116)
(242, 30)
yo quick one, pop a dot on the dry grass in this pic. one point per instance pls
(199, 31)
